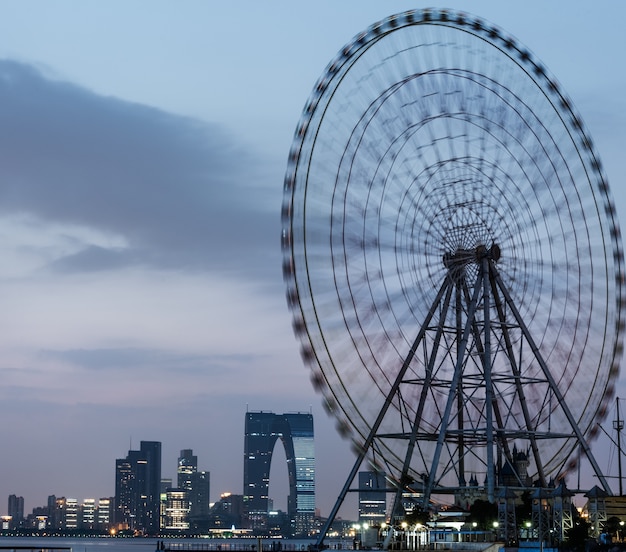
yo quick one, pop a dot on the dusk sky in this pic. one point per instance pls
(142, 152)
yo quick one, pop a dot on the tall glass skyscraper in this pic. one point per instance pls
(187, 466)
(195, 483)
(137, 488)
(295, 431)
(199, 498)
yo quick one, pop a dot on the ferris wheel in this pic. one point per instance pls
(452, 257)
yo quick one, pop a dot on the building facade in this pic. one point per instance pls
(372, 498)
(16, 510)
(295, 431)
(104, 514)
(187, 466)
(137, 489)
(89, 514)
(176, 510)
(199, 495)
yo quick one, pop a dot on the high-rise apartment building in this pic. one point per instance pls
(53, 515)
(262, 430)
(16, 510)
(64, 514)
(137, 488)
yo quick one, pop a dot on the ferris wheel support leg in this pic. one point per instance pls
(445, 419)
(517, 375)
(422, 402)
(552, 383)
(460, 403)
(381, 415)
(489, 395)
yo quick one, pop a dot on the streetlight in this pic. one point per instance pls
(357, 533)
(405, 537)
(418, 533)
(381, 533)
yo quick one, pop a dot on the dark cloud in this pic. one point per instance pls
(155, 360)
(182, 192)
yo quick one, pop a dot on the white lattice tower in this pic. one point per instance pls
(596, 508)
(562, 511)
(541, 510)
(507, 523)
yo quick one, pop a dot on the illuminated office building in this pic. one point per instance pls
(71, 514)
(88, 514)
(64, 513)
(104, 514)
(295, 431)
(176, 510)
(372, 498)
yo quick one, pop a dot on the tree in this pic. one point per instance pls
(417, 516)
(483, 513)
(612, 526)
(577, 536)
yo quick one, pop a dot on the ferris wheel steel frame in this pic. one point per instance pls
(475, 358)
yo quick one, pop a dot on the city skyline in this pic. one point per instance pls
(295, 430)
(145, 502)
(143, 150)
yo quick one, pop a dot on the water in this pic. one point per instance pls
(149, 544)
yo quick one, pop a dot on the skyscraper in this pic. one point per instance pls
(187, 465)
(124, 494)
(137, 486)
(199, 494)
(152, 452)
(295, 431)
(195, 484)
(16, 510)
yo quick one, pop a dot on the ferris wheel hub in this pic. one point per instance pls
(462, 257)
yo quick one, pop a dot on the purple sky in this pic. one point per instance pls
(142, 153)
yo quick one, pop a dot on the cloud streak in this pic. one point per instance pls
(181, 192)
